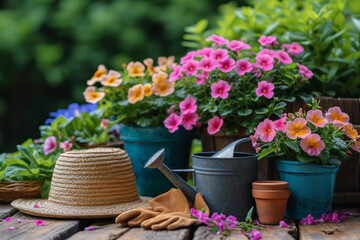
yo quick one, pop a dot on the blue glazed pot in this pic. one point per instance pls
(311, 188)
(142, 142)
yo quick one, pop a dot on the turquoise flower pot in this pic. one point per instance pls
(142, 142)
(311, 188)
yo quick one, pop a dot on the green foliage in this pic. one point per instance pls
(29, 163)
(328, 30)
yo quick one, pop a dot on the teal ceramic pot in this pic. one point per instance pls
(311, 188)
(142, 142)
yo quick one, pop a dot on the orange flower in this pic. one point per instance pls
(316, 117)
(91, 96)
(337, 117)
(135, 69)
(111, 79)
(297, 128)
(350, 131)
(136, 93)
(159, 77)
(150, 66)
(147, 89)
(101, 71)
(163, 88)
(163, 61)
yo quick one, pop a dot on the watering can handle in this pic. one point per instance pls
(228, 151)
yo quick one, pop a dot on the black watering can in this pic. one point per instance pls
(223, 178)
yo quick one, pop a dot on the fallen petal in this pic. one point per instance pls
(39, 222)
(10, 228)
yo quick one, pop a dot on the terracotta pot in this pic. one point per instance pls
(271, 204)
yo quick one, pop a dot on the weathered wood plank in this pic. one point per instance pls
(348, 229)
(141, 234)
(204, 233)
(105, 232)
(6, 210)
(54, 229)
(276, 232)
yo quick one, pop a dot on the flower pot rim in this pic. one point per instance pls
(270, 194)
(270, 185)
(207, 156)
(290, 162)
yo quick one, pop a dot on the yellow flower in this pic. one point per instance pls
(101, 71)
(135, 69)
(163, 88)
(147, 89)
(91, 96)
(136, 93)
(159, 77)
(150, 66)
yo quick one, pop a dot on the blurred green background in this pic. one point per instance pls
(49, 48)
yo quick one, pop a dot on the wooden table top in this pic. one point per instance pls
(75, 229)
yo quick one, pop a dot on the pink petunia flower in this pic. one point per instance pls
(189, 56)
(202, 78)
(254, 139)
(269, 52)
(176, 74)
(205, 52)
(335, 116)
(214, 125)
(312, 144)
(171, 109)
(265, 89)
(188, 105)
(304, 71)
(285, 46)
(49, 145)
(189, 120)
(295, 49)
(227, 65)
(190, 67)
(104, 123)
(66, 145)
(207, 64)
(264, 41)
(265, 62)
(316, 117)
(255, 234)
(243, 66)
(219, 55)
(280, 124)
(220, 89)
(266, 130)
(283, 224)
(39, 222)
(172, 122)
(283, 57)
(237, 46)
(218, 40)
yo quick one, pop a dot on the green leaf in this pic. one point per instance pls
(333, 37)
(271, 28)
(199, 27)
(325, 154)
(265, 152)
(246, 112)
(26, 154)
(262, 111)
(305, 159)
(356, 23)
(280, 105)
(293, 145)
(334, 161)
(248, 218)
(143, 122)
(289, 99)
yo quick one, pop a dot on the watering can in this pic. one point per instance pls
(224, 178)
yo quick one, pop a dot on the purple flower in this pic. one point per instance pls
(283, 224)
(309, 220)
(49, 145)
(255, 234)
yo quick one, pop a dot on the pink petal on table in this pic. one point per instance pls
(39, 222)
(8, 219)
(19, 221)
(10, 228)
(36, 206)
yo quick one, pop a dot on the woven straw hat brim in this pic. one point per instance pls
(55, 210)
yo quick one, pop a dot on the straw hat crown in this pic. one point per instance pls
(93, 177)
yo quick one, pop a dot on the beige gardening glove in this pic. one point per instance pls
(170, 210)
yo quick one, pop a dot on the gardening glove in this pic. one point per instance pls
(172, 201)
(135, 217)
(169, 221)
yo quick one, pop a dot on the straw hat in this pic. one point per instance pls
(91, 183)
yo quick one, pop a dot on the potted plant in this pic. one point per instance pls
(232, 86)
(309, 148)
(137, 98)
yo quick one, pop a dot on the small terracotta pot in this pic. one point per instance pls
(271, 200)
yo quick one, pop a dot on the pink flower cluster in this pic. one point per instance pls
(311, 143)
(217, 222)
(330, 217)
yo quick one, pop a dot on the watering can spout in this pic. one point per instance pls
(157, 161)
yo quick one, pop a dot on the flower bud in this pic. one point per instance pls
(291, 116)
(349, 153)
(258, 150)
